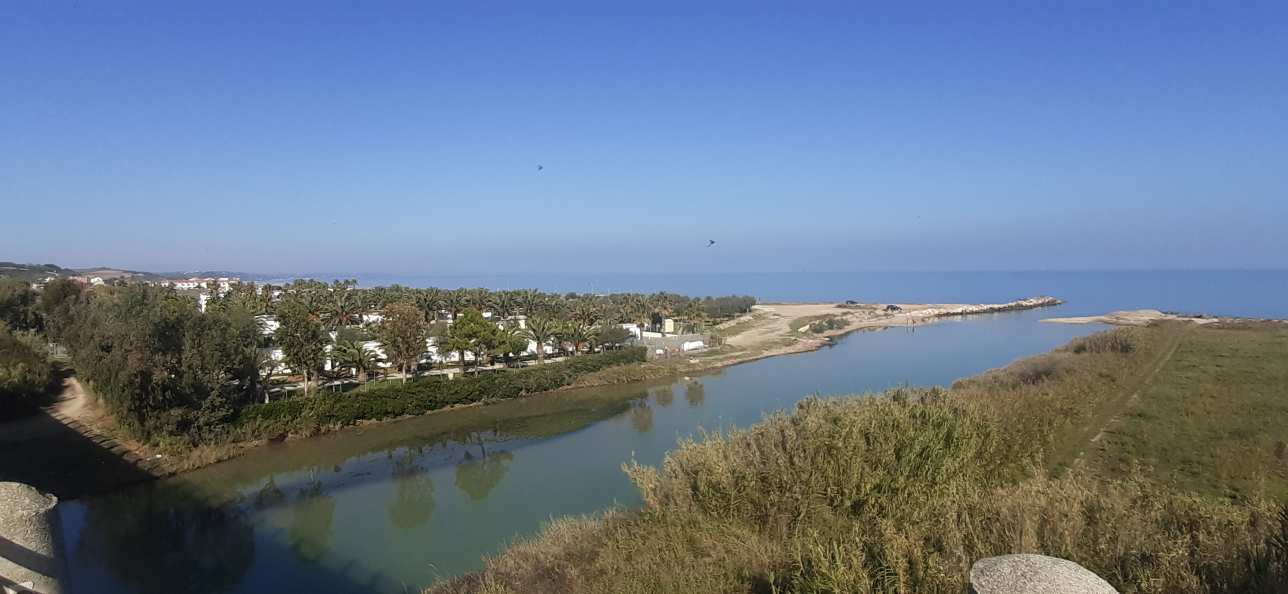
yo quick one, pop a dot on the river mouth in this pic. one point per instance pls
(393, 507)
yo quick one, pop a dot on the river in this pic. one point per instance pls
(392, 507)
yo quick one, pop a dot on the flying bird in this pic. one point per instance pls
(711, 242)
(540, 167)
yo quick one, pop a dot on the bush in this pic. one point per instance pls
(1121, 340)
(826, 324)
(27, 378)
(392, 399)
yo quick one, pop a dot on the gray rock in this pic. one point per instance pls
(1034, 574)
(30, 550)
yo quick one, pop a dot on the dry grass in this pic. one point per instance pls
(902, 492)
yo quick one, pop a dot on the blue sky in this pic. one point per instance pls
(405, 137)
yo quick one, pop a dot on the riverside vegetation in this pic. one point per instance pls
(182, 379)
(1152, 456)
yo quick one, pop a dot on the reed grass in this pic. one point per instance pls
(901, 492)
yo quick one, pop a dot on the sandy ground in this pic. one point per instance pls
(768, 330)
(1135, 317)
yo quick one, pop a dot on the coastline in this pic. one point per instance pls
(770, 330)
(1146, 317)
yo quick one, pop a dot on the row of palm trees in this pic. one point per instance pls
(341, 304)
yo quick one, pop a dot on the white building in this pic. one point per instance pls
(268, 324)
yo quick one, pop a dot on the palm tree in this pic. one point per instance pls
(531, 302)
(344, 308)
(354, 355)
(693, 312)
(505, 304)
(575, 333)
(585, 311)
(431, 302)
(480, 299)
(660, 305)
(540, 330)
(636, 309)
(455, 301)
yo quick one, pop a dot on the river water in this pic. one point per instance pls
(392, 507)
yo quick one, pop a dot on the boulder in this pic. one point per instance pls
(1034, 574)
(30, 550)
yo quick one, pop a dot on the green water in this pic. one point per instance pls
(392, 507)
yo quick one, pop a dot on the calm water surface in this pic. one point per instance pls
(396, 506)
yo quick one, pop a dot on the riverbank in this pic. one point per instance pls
(1114, 451)
(769, 330)
(775, 329)
(1146, 317)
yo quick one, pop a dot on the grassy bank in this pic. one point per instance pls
(902, 492)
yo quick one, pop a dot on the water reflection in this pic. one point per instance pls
(641, 416)
(170, 542)
(664, 395)
(299, 516)
(413, 502)
(311, 518)
(695, 393)
(477, 476)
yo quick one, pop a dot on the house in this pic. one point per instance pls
(268, 324)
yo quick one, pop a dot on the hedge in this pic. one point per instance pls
(392, 399)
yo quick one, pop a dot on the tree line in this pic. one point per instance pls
(165, 368)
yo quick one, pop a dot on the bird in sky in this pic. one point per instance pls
(540, 167)
(711, 242)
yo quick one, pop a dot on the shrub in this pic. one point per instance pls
(27, 378)
(1121, 340)
(826, 324)
(386, 400)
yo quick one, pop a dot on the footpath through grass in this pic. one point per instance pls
(901, 492)
(1213, 420)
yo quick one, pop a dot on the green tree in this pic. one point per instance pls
(541, 331)
(611, 336)
(344, 308)
(57, 302)
(576, 333)
(18, 305)
(301, 338)
(473, 333)
(403, 333)
(353, 354)
(510, 342)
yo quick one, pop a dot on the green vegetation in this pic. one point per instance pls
(389, 400)
(18, 305)
(901, 492)
(1213, 421)
(402, 334)
(174, 375)
(161, 367)
(32, 272)
(27, 378)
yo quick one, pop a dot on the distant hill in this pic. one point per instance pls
(33, 272)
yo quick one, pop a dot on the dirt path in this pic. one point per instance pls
(59, 450)
(1116, 411)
